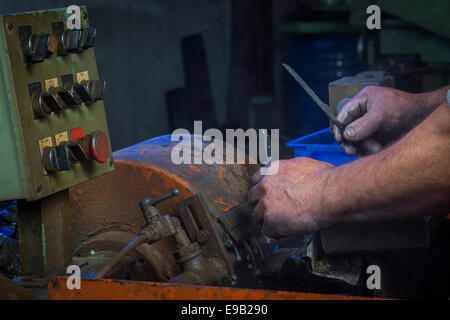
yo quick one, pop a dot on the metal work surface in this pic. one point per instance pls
(347, 87)
(132, 290)
(49, 89)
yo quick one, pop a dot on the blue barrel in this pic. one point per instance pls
(319, 59)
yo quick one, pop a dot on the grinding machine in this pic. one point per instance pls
(137, 225)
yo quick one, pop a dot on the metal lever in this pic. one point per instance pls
(35, 46)
(165, 197)
(71, 40)
(95, 88)
(157, 227)
(147, 205)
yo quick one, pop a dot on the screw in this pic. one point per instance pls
(10, 26)
(84, 15)
(202, 236)
(38, 187)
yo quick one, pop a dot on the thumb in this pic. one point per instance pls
(362, 128)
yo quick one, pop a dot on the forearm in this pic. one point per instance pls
(410, 178)
(427, 102)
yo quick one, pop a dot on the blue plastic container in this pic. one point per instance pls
(321, 146)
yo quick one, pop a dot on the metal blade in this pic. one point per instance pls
(325, 108)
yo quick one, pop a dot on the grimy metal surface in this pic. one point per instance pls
(139, 290)
(348, 87)
(110, 203)
(9, 290)
(21, 169)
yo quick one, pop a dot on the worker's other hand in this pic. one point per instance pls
(290, 202)
(375, 118)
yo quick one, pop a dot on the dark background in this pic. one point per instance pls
(169, 62)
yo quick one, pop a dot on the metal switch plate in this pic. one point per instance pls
(46, 72)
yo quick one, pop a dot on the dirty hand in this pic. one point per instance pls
(375, 118)
(290, 202)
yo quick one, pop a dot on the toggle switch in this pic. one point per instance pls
(66, 98)
(82, 91)
(95, 88)
(77, 153)
(35, 47)
(63, 156)
(44, 104)
(40, 110)
(50, 102)
(88, 37)
(71, 40)
(56, 158)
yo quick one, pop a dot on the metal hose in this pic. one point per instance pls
(125, 251)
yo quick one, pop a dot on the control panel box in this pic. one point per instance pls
(53, 129)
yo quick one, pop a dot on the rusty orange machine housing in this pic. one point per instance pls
(106, 216)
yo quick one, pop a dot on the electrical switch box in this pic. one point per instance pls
(53, 129)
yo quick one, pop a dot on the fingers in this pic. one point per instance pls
(363, 148)
(351, 111)
(349, 148)
(362, 128)
(337, 134)
(257, 177)
(354, 109)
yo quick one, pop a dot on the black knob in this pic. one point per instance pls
(35, 47)
(77, 152)
(88, 37)
(44, 103)
(82, 93)
(66, 97)
(63, 157)
(95, 88)
(71, 40)
(56, 158)
(49, 101)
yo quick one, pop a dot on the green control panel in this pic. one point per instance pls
(53, 129)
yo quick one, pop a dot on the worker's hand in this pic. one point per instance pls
(374, 119)
(290, 202)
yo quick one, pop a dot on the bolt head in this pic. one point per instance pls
(202, 236)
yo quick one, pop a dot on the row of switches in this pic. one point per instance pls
(91, 147)
(36, 47)
(70, 96)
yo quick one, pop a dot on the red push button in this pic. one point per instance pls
(99, 147)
